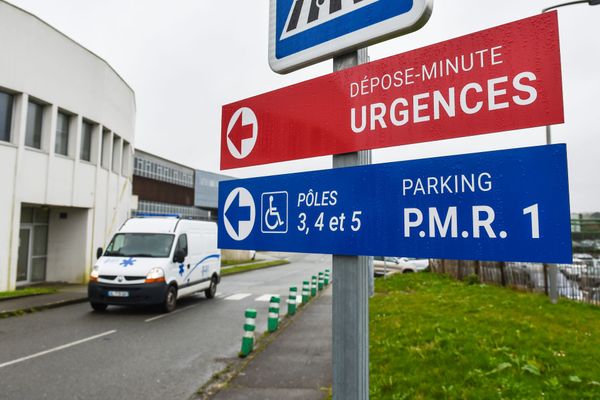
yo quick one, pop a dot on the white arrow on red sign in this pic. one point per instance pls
(242, 132)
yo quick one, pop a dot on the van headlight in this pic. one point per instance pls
(94, 274)
(155, 275)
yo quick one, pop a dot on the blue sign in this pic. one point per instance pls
(509, 205)
(303, 32)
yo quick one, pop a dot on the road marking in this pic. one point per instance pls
(265, 297)
(238, 296)
(64, 346)
(171, 313)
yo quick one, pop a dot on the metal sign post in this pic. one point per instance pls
(350, 327)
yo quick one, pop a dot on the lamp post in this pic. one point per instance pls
(568, 3)
(553, 268)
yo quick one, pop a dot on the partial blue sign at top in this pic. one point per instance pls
(303, 32)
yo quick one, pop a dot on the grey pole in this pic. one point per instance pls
(350, 326)
(384, 268)
(570, 3)
(552, 268)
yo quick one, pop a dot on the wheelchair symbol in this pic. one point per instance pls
(274, 212)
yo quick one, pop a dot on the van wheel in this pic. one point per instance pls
(170, 300)
(212, 289)
(99, 306)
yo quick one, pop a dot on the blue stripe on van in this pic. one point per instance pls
(201, 261)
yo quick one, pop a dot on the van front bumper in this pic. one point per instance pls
(140, 294)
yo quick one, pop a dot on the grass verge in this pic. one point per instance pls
(252, 267)
(433, 337)
(227, 263)
(31, 291)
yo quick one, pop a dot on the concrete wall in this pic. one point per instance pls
(8, 155)
(235, 255)
(67, 244)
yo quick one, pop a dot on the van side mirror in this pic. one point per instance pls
(179, 256)
(99, 252)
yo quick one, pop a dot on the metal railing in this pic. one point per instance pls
(579, 281)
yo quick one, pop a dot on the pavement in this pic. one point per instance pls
(67, 294)
(295, 365)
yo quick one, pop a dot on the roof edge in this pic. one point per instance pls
(78, 44)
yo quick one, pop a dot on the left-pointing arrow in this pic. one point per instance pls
(239, 133)
(239, 213)
(242, 132)
(236, 213)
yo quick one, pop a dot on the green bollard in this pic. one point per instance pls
(320, 281)
(292, 300)
(326, 277)
(273, 320)
(329, 274)
(313, 287)
(249, 328)
(305, 292)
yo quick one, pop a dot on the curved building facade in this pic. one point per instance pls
(67, 125)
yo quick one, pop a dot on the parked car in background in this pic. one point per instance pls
(583, 263)
(400, 264)
(583, 259)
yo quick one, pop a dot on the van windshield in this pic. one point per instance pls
(140, 245)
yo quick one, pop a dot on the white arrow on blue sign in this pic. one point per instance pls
(303, 32)
(239, 213)
(509, 205)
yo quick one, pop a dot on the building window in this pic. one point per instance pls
(33, 131)
(62, 134)
(116, 154)
(86, 141)
(106, 147)
(6, 107)
(126, 163)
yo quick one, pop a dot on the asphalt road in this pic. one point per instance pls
(128, 353)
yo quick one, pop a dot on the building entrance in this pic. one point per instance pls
(33, 245)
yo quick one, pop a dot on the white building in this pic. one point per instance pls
(67, 123)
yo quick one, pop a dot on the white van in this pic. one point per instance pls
(156, 261)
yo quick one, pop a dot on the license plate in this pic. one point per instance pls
(112, 293)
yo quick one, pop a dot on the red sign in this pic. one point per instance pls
(499, 79)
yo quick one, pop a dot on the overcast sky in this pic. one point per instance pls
(186, 58)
